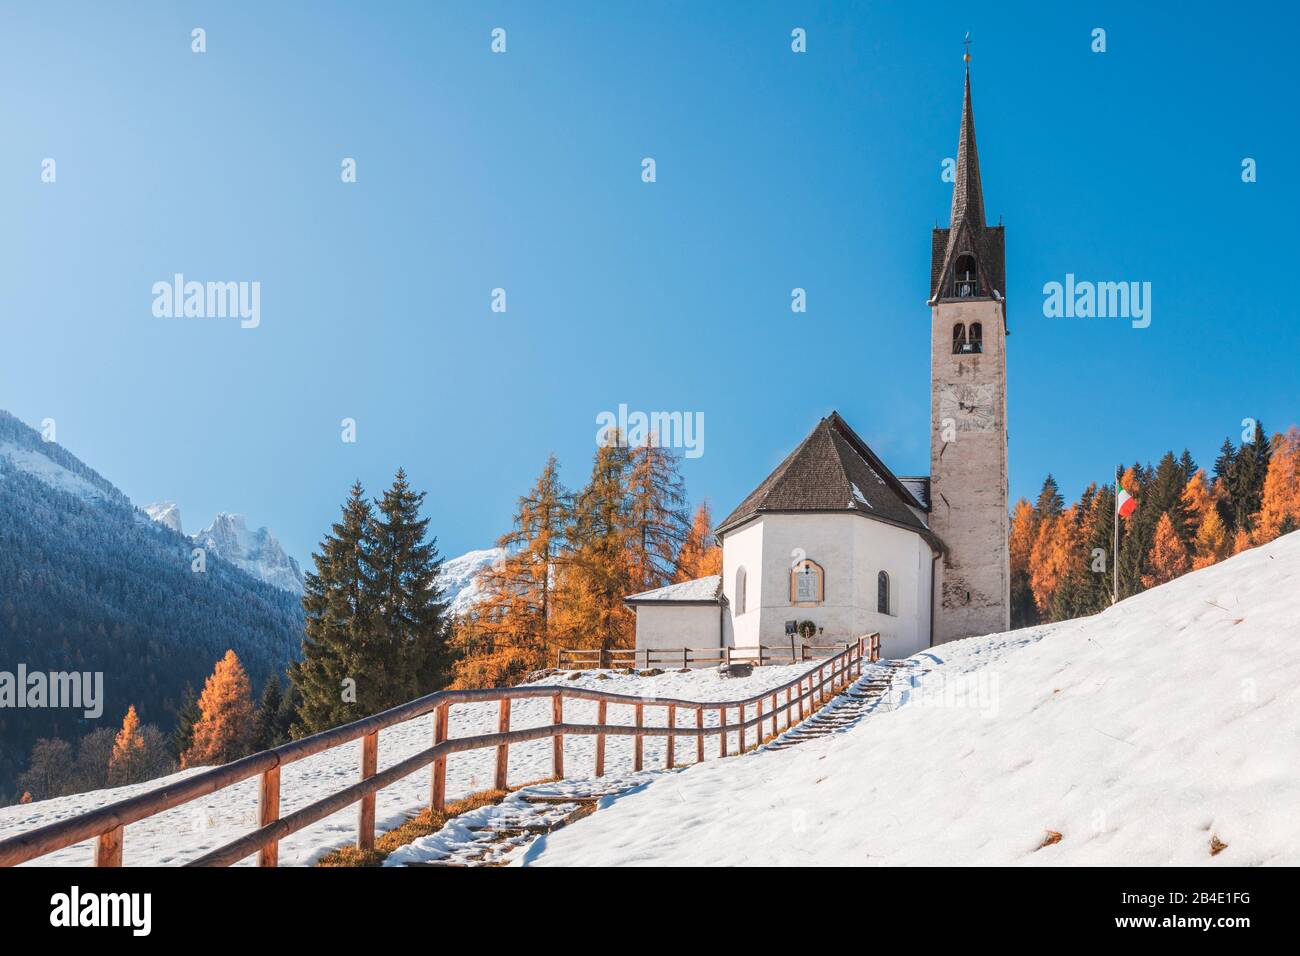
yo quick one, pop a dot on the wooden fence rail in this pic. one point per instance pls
(626, 657)
(106, 824)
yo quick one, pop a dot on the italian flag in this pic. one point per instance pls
(1125, 504)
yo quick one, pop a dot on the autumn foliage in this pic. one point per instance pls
(224, 728)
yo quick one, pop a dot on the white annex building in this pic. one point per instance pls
(833, 540)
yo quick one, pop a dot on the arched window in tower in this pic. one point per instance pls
(976, 337)
(966, 276)
(959, 338)
(882, 592)
(740, 590)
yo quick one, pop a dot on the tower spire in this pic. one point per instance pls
(967, 193)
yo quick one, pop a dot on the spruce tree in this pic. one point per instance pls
(1097, 585)
(186, 717)
(406, 653)
(338, 601)
(1225, 476)
(1188, 465)
(1050, 503)
(265, 721)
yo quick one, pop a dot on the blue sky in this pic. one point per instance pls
(522, 171)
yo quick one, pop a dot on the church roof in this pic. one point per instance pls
(833, 470)
(706, 590)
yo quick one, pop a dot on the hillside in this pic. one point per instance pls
(88, 583)
(1139, 735)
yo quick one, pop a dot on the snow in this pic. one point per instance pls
(50, 472)
(1137, 734)
(256, 552)
(697, 589)
(857, 493)
(185, 832)
(165, 513)
(459, 577)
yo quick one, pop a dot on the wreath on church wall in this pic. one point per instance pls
(807, 629)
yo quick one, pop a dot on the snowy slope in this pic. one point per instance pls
(459, 577)
(50, 472)
(165, 513)
(190, 830)
(1137, 734)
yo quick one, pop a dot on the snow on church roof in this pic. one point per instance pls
(705, 590)
(833, 470)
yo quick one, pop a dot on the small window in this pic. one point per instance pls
(882, 592)
(807, 584)
(976, 337)
(740, 590)
(958, 338)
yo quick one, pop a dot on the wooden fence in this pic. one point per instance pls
(619, 658)
(106, 824)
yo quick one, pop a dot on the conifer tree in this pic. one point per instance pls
(186, 717)
(510, 631)
(224, 729)
(1168, 555)
(266, 721)
(338, 604)
(128, 751)
(657, 522)
(596, 569)
(1224, 479)
(1280, 502)
(405, 653)
(1097, 584)
(1024, 531)
(1188, 465)
(1212, 541)
(700, 555)
(1246, 481)
(1134, 533)
(1050, 503)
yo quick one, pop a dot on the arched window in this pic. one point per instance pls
(966, 276)
(807, 583)
(740, 590)
(958, 338)
(882, 592)
(976, 337)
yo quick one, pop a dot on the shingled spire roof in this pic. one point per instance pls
(833, 470)
(967, 233)
(967, 194)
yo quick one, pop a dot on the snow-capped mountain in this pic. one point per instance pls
(257, 552)
(165, 513)
(460, 577)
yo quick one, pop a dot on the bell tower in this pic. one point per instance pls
(968, 408)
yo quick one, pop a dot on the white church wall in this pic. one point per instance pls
(672, 627)
(851, 551)
(743, 548)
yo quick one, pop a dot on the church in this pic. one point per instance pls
(833, 543)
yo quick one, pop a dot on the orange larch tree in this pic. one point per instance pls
(1280, 512)
(1168, 558)
(700, 555)
(224, 729)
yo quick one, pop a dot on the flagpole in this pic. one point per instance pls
(1114, 558)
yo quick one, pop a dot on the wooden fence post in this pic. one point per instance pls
(600, 740)
(722, 722)
(438, 785)
(108, 848)
(672, 737)
(741, 750)
(760, 655)
(636, 757)
(503, 750)
(557, 739)
(366, 814)
(699, 740)
(774, 714)
(268, 811)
